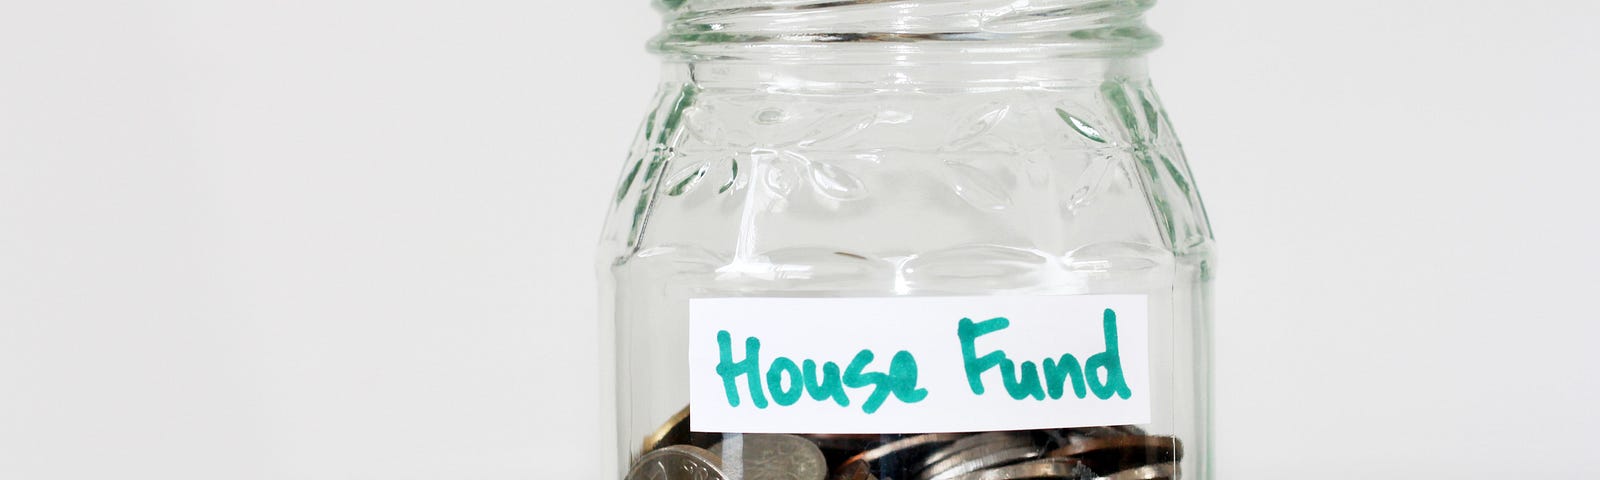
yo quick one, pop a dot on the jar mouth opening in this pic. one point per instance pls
(806, 28)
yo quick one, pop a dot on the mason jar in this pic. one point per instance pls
(895, 239)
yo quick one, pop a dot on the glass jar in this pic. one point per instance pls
(858, 234)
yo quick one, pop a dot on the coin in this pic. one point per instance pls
(762, 456)
(1159, 471)
(677, 462)
(674, 432)
(1044, 468)
(979, 458)
(854, 471)
(673, 453)
(897, 459)
(1065, 436)
(906, 445)
(973, 441)
(845, 441)
(1113, 454)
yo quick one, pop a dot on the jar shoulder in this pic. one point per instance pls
(1008, 173)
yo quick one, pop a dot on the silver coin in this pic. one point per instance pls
(1041, 469)
(1159, 471)
(762, 456)
(979, 458)
(677, 462)
(989, 439)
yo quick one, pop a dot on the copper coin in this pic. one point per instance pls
(854, 471)
(896, 459)
(1115, 454)
(1065, 436)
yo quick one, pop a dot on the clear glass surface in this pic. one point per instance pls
(880, 154)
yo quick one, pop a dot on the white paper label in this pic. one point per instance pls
(917, 364)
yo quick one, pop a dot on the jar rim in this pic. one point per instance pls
(801, 28)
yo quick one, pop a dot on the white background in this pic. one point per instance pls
(344, 239)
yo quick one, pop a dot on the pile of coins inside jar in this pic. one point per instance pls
(1091, 453)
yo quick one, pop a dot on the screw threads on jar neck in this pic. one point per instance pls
(842, 29)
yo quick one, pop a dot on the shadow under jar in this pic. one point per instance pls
(921, 240)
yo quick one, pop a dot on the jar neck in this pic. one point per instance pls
(867, 31)
(880, 74)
